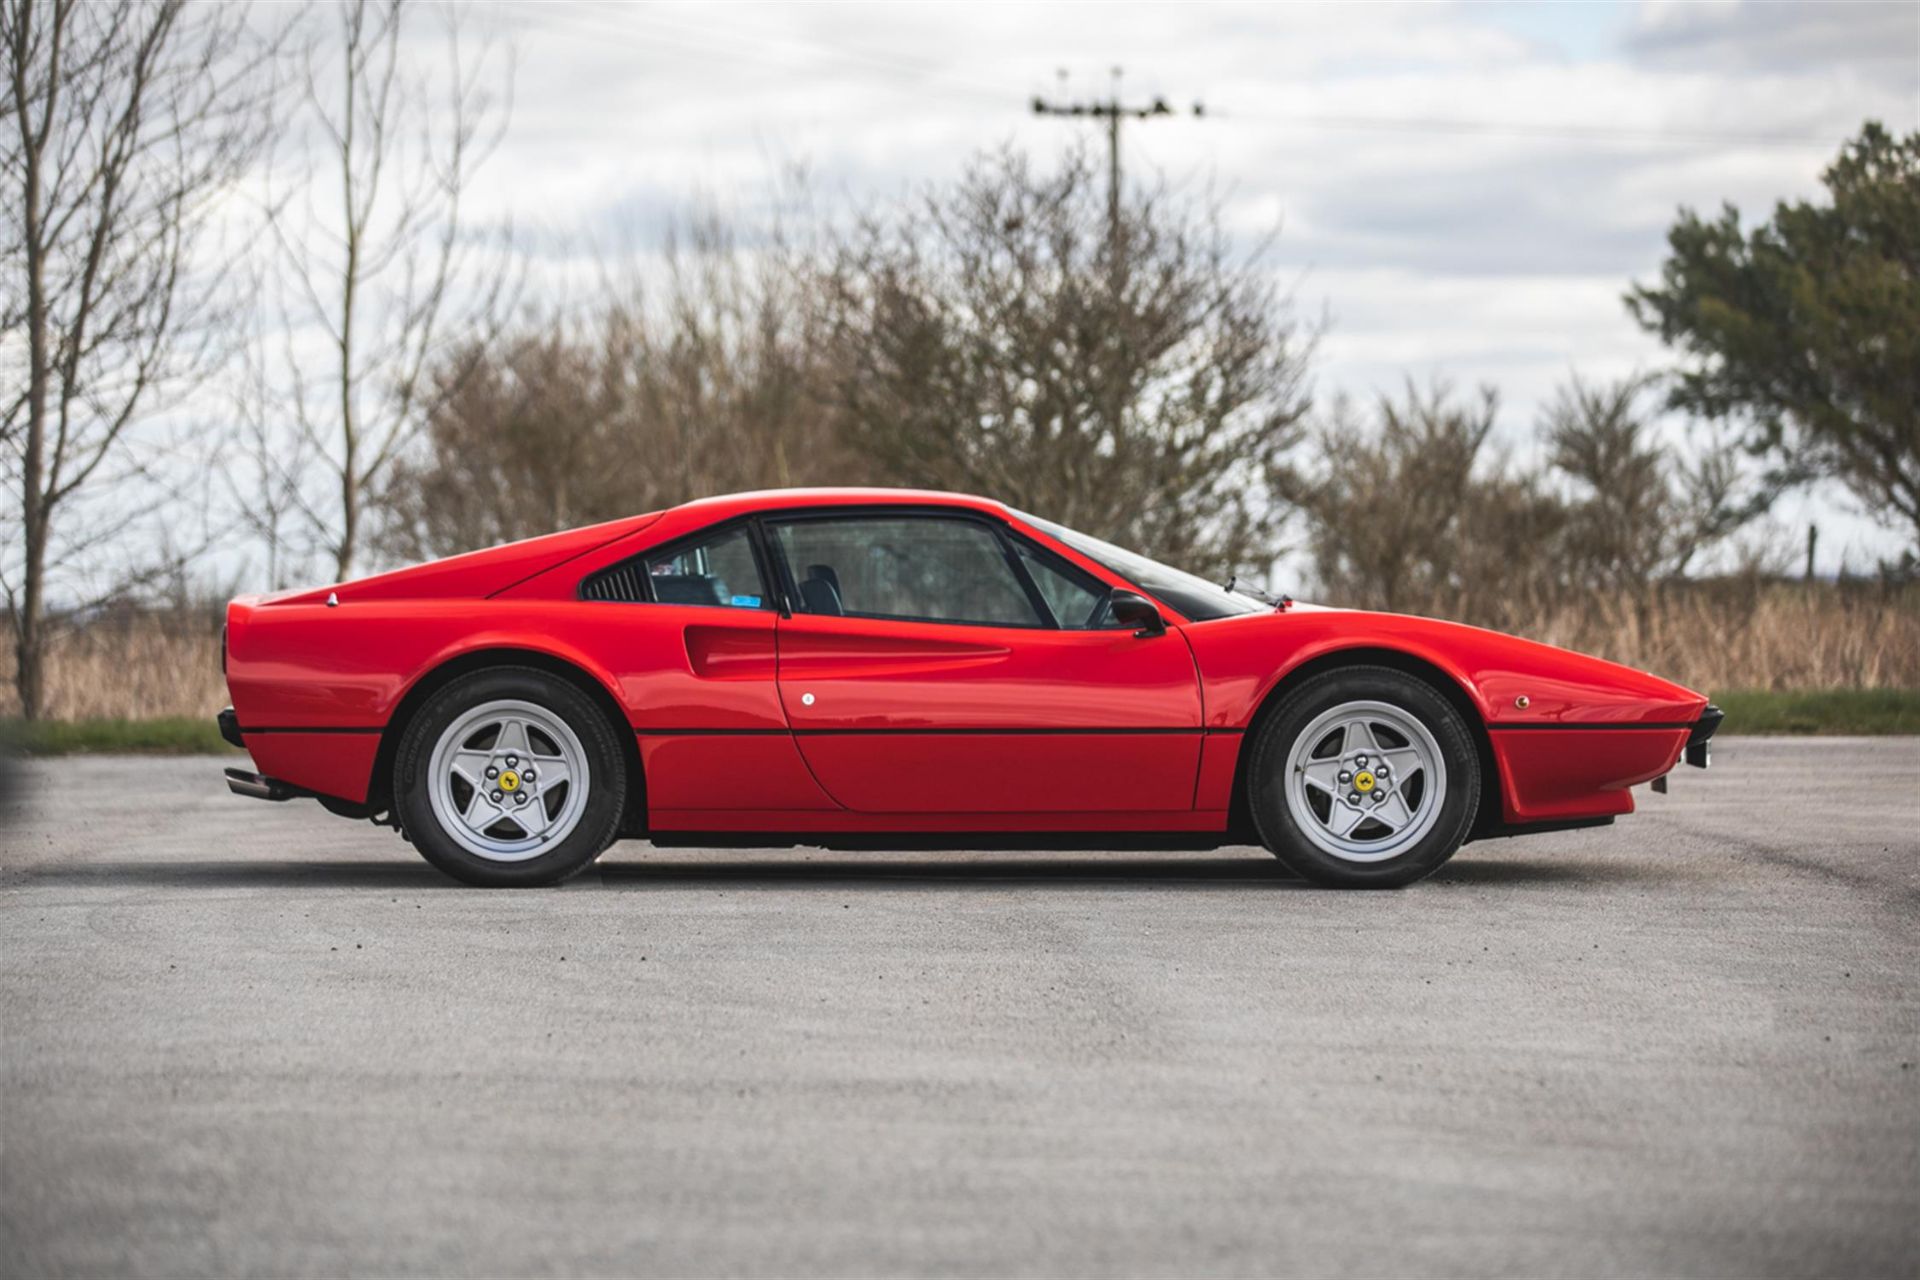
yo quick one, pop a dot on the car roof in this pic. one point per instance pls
(726, 506)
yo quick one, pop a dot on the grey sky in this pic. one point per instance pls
(1439, 248)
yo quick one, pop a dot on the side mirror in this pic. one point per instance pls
(1132, 609)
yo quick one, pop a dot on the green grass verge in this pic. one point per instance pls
(173, 736)
(1811, 711)
(1831, 711)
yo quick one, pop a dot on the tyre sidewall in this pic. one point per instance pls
(606, 792)
(1267, 777)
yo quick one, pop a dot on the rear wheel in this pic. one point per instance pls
(1364, 777)
(510, 777)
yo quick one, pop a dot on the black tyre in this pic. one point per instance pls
(1364, 778)
(510, 777)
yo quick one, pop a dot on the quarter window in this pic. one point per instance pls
(923, 568)
(715, 569)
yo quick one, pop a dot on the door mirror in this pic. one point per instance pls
(1130, 608)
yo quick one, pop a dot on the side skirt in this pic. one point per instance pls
(919, 841)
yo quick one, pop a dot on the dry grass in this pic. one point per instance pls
(143, 665)
(134, 664)
(1772, 636)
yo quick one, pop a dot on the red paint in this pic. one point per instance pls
(334, 764)
(809, 821)
(1219, 757)
(1581, 772)
(869, 700)
(720, 771)
(913, 726)
(1242, 659)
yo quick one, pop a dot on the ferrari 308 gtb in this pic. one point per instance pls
(841, 666)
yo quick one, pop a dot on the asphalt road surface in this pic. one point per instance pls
(252, 1039)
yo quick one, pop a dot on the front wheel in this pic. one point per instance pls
(1364, 777)
(509, 777)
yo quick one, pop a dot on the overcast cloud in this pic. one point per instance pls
(1465, 189)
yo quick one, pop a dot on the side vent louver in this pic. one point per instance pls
(622, 582)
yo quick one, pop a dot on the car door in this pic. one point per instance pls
(687, 630)
(924, 670)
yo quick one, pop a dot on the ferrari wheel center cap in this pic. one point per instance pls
(509, 780)
(1363, 781)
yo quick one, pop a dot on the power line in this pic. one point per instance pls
(1573, 132)
(1113, 111)
(738, 45)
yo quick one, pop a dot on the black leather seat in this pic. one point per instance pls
(687, 588)
(819, 592)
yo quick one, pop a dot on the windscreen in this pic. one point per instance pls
(1193, 596)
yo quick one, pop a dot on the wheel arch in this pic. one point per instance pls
(379, 791)
(1443, 682)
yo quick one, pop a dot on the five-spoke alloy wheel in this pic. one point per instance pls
(510, 776)
(1364, 777)
(508, 780)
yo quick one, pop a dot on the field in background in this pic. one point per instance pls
(133, 664)
(1862, 711)
(1781, 657)
(1741, 634)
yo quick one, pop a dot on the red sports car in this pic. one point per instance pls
(835, 666)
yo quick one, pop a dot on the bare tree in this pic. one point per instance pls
(120, 126)
(727, 352)
(695, 372)
(1415, 511)
(264, 468)
(379, 272)
(1418, 510)
(988, 340)
(524, 438)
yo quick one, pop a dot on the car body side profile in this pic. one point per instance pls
(849, 665)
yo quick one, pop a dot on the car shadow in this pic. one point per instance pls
(238, 874)
(838, 873)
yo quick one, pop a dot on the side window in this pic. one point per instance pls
(1078, 600)
(718, 569)
(922, 568)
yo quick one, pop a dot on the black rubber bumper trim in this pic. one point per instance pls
(1699, 752)
(316, 728)
(1573, 726)
(930, 732)
(230, 727)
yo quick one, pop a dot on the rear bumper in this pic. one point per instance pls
(326, 761)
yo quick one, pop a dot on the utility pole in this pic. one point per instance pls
(1113, 111)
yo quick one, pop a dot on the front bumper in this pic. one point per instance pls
(1700, 741)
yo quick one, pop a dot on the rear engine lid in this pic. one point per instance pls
(475, 575)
